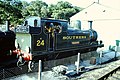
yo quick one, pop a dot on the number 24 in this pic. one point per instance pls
(40, 43)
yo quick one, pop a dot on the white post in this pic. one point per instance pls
(101, 54)
(39, 70)
(116, 49)
(78, 63)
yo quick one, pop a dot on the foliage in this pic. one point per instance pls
(35, 8)
(63, 10)
(10, 11)
(16, 10)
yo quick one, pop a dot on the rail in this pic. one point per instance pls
(102, 73)
(105, 76)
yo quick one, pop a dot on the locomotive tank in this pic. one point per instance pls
(45, 38)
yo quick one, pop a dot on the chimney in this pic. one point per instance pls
(90, 24)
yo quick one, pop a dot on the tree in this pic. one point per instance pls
(9, 11)
(16, 11)
(44, 12)
(35, 8)
(51, 9)
(63, 10)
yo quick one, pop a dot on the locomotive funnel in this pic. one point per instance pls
(90, 23)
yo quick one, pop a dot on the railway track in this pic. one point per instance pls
(111, 71)
(111, 74)
(115, 76)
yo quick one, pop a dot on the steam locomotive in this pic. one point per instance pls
(46, 39)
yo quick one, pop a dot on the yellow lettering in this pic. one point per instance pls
(73, 37)
(79, 37)
(76, 37)
(82, 37)
(40, 43)
(70, 37)
(64, 37)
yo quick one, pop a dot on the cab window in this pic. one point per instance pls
(53, 26)
(35, 23)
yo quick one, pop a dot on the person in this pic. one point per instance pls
(58, 29)
(50, 31)
(49, 28)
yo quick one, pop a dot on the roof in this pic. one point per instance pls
(97, 11)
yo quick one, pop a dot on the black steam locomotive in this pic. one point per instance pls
(47, 39)
(7, 45)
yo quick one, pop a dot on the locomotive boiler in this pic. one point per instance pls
(47, 39)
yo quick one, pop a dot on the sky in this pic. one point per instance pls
(85, 3)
